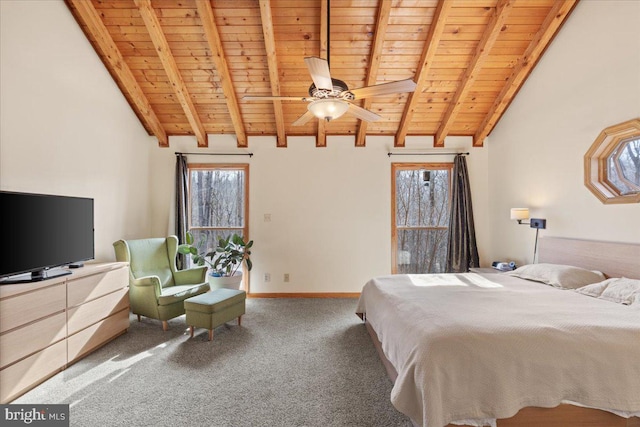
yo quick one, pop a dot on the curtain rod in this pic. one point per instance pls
(427, 154)
(216, 154)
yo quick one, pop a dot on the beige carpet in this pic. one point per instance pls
(294, 362)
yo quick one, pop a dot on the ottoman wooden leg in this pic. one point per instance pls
(138, 317)
(191, 331)
(239, 320)
(165, 325)
(210, 334)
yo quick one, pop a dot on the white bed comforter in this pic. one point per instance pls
(471, 346)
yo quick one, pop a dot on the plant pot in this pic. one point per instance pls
(231, 282)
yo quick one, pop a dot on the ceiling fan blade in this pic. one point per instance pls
(399, 86)
(303, 119)
(362, 114)
(319, 70)
(275, 98)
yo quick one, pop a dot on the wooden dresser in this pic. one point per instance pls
(45, 326)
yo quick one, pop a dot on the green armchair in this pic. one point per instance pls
(157, 289)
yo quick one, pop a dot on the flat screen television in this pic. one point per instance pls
(40, 232)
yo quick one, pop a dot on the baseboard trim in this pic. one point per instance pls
(304, 295)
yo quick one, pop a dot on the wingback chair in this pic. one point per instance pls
(157, 289)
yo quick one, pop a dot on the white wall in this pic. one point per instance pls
(330, 207)
(588, 79)
(65, 127)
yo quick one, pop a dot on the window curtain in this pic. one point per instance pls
(462, 252)
(181, 205)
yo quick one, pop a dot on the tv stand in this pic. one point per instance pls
(47, 325)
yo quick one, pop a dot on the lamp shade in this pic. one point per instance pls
(328, 109)
(519, 213)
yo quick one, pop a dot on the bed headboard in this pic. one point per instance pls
(613, 259)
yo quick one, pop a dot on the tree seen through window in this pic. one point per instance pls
(421, 217)
(217, 203)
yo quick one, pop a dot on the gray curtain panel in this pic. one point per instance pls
(462, 252)
(181, 205)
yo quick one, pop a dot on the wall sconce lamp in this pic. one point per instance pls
(521, 214)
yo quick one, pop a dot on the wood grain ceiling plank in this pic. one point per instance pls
(171, 68)
(382, 21)
(144, 37)
(213, 37)
(549, 28)
(272, 61)
(436, 30)
(166, 30)
(492, 31)
(90, 18)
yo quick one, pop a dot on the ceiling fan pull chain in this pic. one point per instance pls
(329, 33)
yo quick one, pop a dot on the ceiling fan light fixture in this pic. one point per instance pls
(328, 109)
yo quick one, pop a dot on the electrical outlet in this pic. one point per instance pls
(267, 277)
(286, 277)
(538, 223)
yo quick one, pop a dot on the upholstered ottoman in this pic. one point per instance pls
(212, 309)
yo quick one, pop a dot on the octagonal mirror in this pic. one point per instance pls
(612, 164)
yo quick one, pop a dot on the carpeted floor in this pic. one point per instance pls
(294, 362)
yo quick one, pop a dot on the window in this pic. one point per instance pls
(420, 216)
(623, 166)
(612, 164)
(218, 204)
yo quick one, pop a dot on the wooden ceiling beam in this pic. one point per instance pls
(152, 23)
(436, 29)
(321, 138)
(272, 63)
(215, 44)
(549, 28)
(493, 29)
(382, 21)
(87, 14)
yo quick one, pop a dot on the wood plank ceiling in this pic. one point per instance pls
(185, 65)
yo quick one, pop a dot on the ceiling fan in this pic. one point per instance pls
(330, 98)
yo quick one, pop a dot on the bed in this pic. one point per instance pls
(499, 350)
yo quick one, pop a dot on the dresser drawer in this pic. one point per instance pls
(91, 287)
(97, 334)
(21, 376)
(30, 306)
(87, 314)
(23, 341)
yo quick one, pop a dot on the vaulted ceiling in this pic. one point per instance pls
(186, 65)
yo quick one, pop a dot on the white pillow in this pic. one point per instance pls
(621, 290)
(558, 275)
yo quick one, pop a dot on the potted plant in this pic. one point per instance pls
(224, 261)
